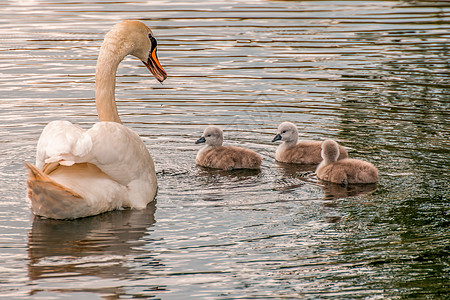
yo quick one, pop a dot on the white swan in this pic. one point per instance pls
(81, 173)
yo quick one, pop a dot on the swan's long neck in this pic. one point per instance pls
(105, 81)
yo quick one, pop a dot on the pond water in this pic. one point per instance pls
(373, 75)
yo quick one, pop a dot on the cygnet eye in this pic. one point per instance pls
(208, 135)
(284, 131)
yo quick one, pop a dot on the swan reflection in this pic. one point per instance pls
(292, 176)
(99, 247)
(335, 191)
(216, 184)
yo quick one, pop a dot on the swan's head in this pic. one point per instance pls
(330, 150)
(135, 38)
(212, 136)
(287, 132)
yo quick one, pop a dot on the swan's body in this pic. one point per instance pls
(81, 172)
(346, 170)
(214, 155)
(305, 152)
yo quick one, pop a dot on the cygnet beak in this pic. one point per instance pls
(200, 140)
(277, 138)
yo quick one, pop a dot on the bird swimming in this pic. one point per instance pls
(344, 171)
(305, 152)
(214, 155)
(81, 173)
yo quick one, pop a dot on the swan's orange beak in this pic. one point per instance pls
(154, 66)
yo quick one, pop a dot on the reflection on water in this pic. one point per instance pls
(335, 191)
(101, 248)
(371, 74)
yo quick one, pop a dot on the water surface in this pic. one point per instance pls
(373, 75)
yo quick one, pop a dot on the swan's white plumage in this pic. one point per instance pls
(81, 172)
(63, 142)
(108, 165)
(115, 149)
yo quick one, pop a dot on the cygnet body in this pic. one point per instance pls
(346, 170)
(214, 155)
(305, 152)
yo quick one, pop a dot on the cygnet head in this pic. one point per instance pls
(330, 151)
(212, 136)
(287, 132)
(131, 37)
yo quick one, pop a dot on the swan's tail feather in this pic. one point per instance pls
(49, 198)
(48, 167)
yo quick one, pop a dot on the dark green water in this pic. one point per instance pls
(373, 75)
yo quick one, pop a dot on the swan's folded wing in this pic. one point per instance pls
(119, 152)
(63, 142)
(113, 148)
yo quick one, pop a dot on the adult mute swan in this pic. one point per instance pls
(81, 173)
(305, 152)
(214, 155)
(346, 170)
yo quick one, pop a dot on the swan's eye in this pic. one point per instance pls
(208, 135)
(284, 131)
(150, 36)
